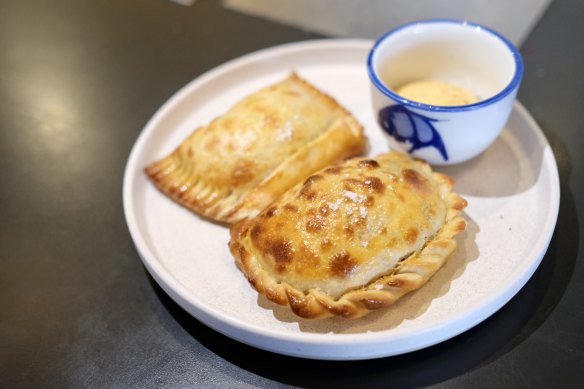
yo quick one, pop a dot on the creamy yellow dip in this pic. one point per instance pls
(437, 93)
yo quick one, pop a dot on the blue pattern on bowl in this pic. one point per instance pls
(407, 126)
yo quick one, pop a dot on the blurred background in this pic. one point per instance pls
(344, 18)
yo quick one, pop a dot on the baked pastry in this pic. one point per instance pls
(351, 238)
(237, 164)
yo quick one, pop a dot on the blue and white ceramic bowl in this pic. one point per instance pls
(465, 54)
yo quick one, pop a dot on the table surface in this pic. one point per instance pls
(79, 80)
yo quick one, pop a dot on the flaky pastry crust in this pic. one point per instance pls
(351, 238)
(241, 161)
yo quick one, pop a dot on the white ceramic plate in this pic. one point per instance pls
(512, 190)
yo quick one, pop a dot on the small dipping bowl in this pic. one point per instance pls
(469, 56)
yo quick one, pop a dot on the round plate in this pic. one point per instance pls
(507, 235)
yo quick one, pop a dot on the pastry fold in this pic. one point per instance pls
(236, 165)
(351, 238)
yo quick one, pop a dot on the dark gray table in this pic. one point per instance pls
(78, 81)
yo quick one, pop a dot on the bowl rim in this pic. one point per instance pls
(509, 88)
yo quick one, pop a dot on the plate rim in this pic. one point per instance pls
(333, 346)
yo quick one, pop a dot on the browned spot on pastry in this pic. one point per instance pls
(370, 184)
(312, 179)
(333, 170)
(411, 235)
(374, 184)
(152, 171)
(194, 201)
(242, 173)
(461, 226)
(460, 204)
(394, 283)
(236, 248)
(282, 251)
(290, 207)
(342, 264)
(369, 163)
(307, 193)
(415, 179)
(326, 244)
(316, 223)
(349, 231)
(324, 210)
(189, 152)
(369, 201)
(243, 254)
(253, 282)
(172, 189)
(345, 311)
(350, 183)
(301, 305)
(271, 212)
(372, 304)
(256, 231)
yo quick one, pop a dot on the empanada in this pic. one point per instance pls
(351, 238)
(269, 141)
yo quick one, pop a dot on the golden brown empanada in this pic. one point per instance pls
(351, 238)
(266, 143)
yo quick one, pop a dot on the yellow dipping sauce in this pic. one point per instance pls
(435, 92)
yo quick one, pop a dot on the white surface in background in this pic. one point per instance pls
(371, 18)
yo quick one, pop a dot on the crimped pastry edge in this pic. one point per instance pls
(410, 274)
(202, 198)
